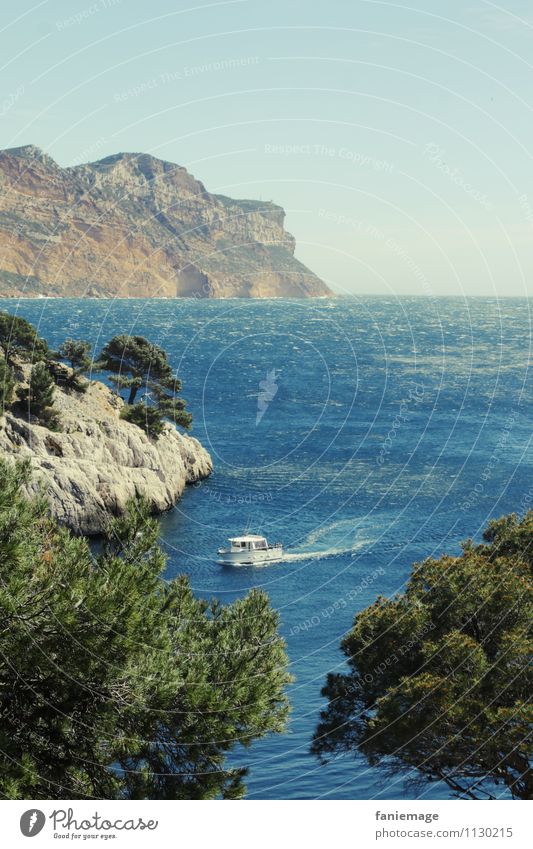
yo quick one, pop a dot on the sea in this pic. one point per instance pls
(365, 434)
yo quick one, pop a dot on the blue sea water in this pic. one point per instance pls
(364, 433)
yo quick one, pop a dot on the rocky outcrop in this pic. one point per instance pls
(98, 461)
(132, 225)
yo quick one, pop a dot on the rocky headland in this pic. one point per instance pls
(132, 225)
(97, 461)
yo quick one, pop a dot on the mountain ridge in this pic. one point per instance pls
(133, 225)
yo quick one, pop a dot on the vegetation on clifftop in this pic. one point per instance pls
(440, 677)
(134, 364)
(113, 683)
(37, 397)
(19, 340)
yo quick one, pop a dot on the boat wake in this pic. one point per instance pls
(343, 537)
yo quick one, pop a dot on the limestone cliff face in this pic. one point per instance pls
(98, 461)
(132, 225)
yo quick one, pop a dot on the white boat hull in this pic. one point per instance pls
(250, 558)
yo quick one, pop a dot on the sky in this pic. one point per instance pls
(398, 138)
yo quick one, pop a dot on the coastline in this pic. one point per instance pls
(91, 468)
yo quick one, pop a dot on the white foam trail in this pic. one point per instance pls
(341, 531)
(327, 552)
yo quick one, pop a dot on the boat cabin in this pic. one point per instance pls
(250, 542)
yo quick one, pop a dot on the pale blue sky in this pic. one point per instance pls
(399, 138)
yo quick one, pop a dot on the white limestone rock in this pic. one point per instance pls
(98, 461)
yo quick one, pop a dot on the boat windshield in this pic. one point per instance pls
(249, 543)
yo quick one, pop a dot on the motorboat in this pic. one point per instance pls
(249, 550)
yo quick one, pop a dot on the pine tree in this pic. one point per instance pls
(7, 385)
(440, 677)
(147, 418)
(20, 340)
(113, 683)
(138, 364)
(76, 353)
(38, 397)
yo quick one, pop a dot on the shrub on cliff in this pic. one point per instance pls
(38, 397)
(441, 677)
(114, 683)
(20, 340)
(147, 418)
(76, 353)
(173, 408)
(7, 385)
(138, 364)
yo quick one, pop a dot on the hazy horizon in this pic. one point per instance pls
(396, 139)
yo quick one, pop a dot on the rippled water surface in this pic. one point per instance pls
(365, 434)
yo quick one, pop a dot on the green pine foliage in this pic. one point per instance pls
(20, 343)
(147, 418)
(76, 352)
(113, 683)
(174, 408)
(135, 364)
(440, 678)
(19, 340)
(139, 363)
(38, 397)
(7, 386)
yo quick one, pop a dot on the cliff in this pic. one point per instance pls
(98, 461)
(132, 225)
